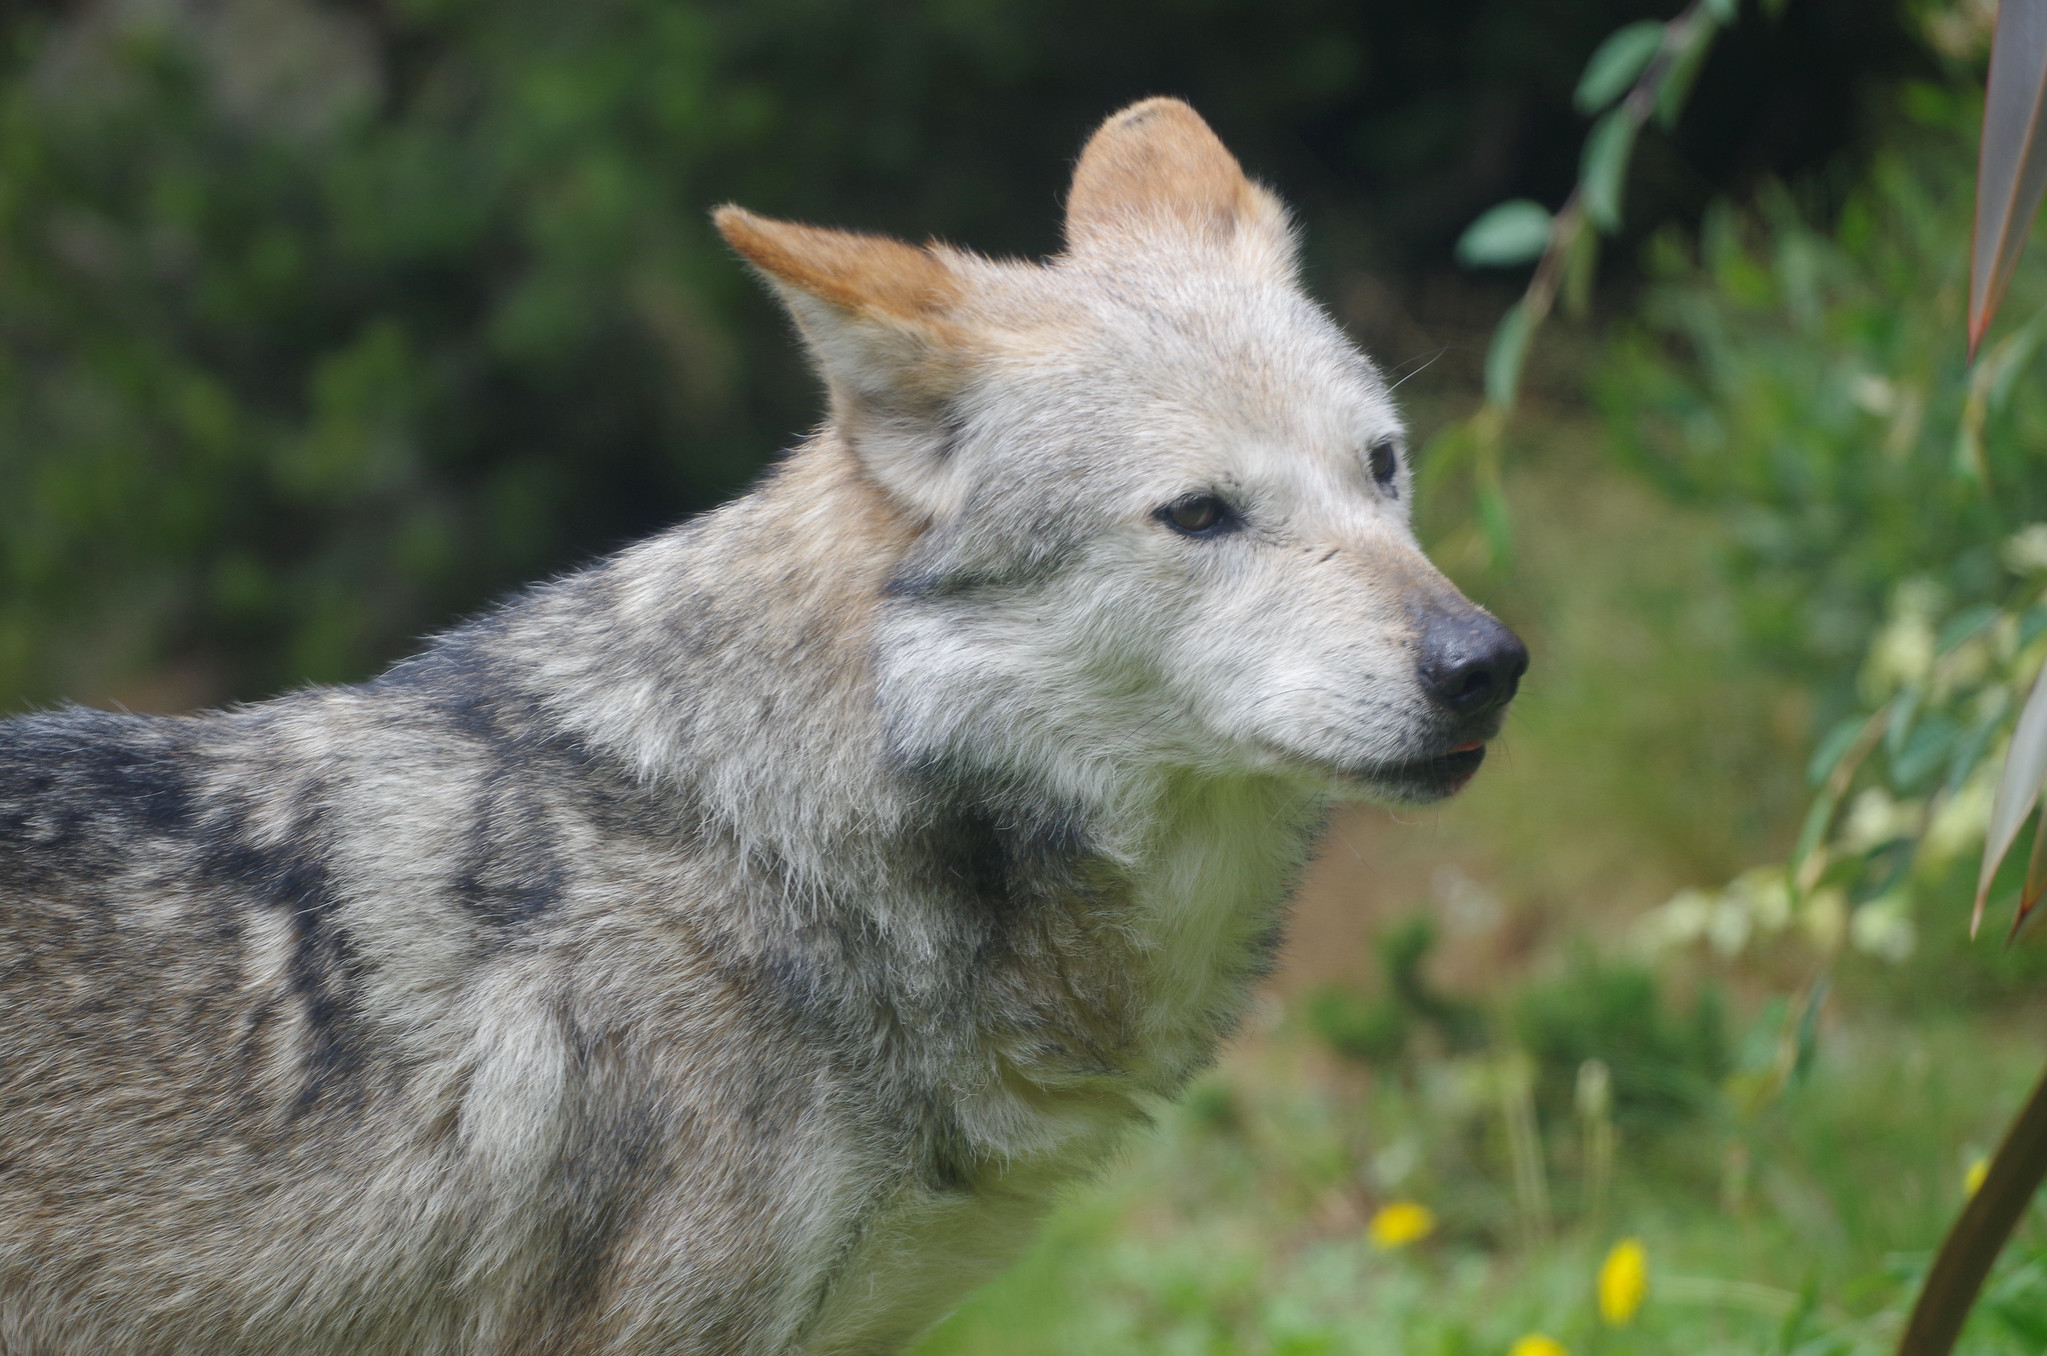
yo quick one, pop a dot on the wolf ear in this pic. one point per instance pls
(878, 317)
(1155, 169)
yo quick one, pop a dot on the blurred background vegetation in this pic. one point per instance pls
(321, 323)
(324, 322)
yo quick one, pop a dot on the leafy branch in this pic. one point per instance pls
(1642, 71)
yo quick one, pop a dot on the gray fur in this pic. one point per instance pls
(732, 947)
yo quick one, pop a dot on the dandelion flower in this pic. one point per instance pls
(1623, 1282)
(1399, 1223)
(1972, 1180)
(1537, 1344)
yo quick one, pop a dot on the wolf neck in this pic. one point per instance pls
(730, 662)
(727, 661)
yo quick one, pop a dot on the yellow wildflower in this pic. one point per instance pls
(1537, 1344)
(1972, 1180)
(1623, 1282)
(1399, 1223)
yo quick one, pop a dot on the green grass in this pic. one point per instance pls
(1238, 1225)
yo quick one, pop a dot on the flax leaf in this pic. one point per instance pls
(2011, 174)
(2018, 790)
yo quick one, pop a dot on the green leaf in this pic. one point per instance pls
(1603, 170)
(1515, 232)
(2017, 790)
(1817, 818)
(1724, 11)
(1498, 526)
(1616, 63)
(1930, 745)
(2023, 1317)
(1801, 1315)
(2032, 624)
(2013, 353)
(1807, 1041)
(1964, 624)
(1683, 72)
(1902, 715)
(1969, 750)
(1505, 358)
(1833, 748)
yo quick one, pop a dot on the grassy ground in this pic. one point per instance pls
(1778, 1216)
(1241, 1224)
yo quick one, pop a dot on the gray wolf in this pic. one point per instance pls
(733, 947)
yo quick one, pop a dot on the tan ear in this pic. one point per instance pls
(1157, 165)
(869, 274)
(879, 318)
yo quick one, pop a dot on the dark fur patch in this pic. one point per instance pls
(293, 877)
(457, 679)
(941, 565)
(86, 794)
(798, 983)
(948, 1162)
(515, 870)
(512, 870)
(79, 788)
(1003, 847)
(603, 1182)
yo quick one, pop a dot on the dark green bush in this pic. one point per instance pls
(1374, 1031)
(1380, 1029)
(1665, 1067)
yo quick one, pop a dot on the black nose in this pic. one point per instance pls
(1470, 662)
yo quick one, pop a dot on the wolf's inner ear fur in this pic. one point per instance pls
(879, 318)
(1154, 173)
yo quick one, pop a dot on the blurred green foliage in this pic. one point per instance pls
(323, 322)
(288, 370)
(1666, 1064)
(1382, 1029)
(1807, 382)
(1884, 508)
(1246, 1237)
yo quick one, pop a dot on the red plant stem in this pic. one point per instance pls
(1972, 1245)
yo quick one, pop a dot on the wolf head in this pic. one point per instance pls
(1161, 502)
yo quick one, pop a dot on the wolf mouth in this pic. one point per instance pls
(1426, 779)
(1451, 770)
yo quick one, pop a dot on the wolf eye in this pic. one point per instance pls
(1197, 515)
(1384, 460)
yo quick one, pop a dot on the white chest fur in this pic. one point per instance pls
(1226, 854)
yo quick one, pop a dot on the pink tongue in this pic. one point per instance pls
(1467, 748)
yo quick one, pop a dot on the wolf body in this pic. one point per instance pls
(733, 946)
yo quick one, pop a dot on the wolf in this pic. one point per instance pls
(734, 946)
